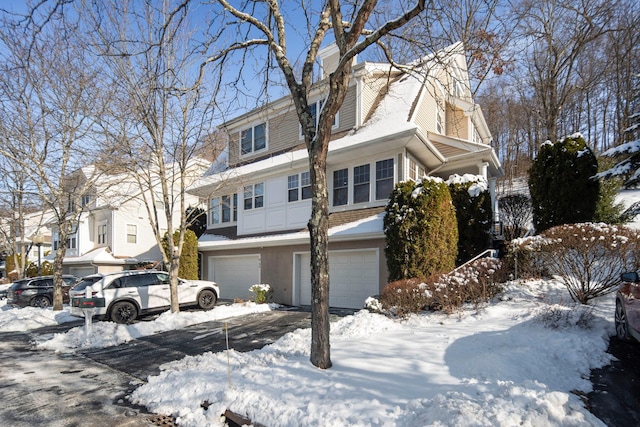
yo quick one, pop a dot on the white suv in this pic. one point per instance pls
(128, 294)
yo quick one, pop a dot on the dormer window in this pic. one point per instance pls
(253, 139)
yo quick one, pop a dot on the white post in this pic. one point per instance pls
(88, 314)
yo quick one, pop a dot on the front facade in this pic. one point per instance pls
(392, 127)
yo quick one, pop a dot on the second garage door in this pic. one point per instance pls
(235, 274)
(353, 276)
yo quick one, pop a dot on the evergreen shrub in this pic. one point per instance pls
(420, 229)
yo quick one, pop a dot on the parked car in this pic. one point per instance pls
(37, 291)
(4, 288)
(128, 294)
(627, 317)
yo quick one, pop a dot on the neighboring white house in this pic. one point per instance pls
(114, 232)
(392, 127)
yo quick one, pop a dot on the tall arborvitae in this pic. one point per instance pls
(421, 230)
(562, 184)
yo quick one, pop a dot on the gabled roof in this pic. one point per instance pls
(393, 118)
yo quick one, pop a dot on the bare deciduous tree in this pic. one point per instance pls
(161, 119)
(51, 101)
(349, 25)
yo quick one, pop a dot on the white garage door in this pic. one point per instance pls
(353, 278)
(235, 275)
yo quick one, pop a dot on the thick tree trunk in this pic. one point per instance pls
(319, 235)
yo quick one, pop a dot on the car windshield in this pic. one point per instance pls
(86, 281)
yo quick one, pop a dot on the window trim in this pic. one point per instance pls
(219, 210)
(318, 103)
(102, 233)
(129, 234)
(253, 139)
(301, 190)
(255, 198)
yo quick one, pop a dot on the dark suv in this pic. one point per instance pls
(627, 316)
(37, 291)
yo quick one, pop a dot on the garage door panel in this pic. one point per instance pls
(235, 275)
(353, 276)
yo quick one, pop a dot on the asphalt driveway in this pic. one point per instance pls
(90, 389)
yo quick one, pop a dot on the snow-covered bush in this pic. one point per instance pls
(522, 258)
(263, 293)
(420, 229)
(472, 200)
(475, 283)
(557, 316)
(588, 258)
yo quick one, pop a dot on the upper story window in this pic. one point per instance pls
(384, 179)
(253, 139)
(223, 209)
(315, 109)
(458, 88)
(72, 239)
(361, 183)
(299, 187)
(85, 200)
(340, 187)
(439, 120)
(102, 234)
(132, 233)
(253, 196)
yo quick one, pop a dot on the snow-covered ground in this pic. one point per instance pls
(521, 360)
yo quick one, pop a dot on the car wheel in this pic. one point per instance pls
(622, 327)
(123, 312)
(40, 301)
(207, 299)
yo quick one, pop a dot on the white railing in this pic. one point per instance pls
(493, 253)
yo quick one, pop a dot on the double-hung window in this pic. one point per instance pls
(132, 233)
(102, 234)
(361, 183)
(299, 187)
(314, 109)
(340, 187)
(439, 120)
(253, 139)
(384, 179)
(223, 209)
(253, 196)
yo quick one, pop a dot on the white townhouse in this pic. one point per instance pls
(114, 232)
(393, 126)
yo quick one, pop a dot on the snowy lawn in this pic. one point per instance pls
(522, 360)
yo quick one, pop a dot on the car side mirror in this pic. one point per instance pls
(631, 276)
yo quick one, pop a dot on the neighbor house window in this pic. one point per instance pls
(299, 187)
(253, 196)
(72, 239)
(253, 139)
(85, 200)
(132, 233)
(384, 179)
(361, 181)
(223, 209)
(102, 234)
(340, 187)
